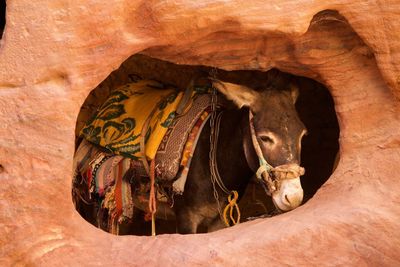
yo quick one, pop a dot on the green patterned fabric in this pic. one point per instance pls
(118, 124)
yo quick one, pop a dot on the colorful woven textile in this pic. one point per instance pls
(118, 125)
(118, 195)
(169, 154)
(188, 151)
(107, 182)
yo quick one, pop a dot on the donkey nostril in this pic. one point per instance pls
(287, 199)
(292, 200)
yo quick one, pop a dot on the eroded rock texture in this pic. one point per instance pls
(53, 53)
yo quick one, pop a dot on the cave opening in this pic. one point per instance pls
(315, 106)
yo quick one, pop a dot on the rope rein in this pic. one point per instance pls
(215, 121)
(213, 146)
(213, 155)
(232, 206)
(265, 169)
(216, 179)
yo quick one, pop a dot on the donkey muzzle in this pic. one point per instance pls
(289, 193)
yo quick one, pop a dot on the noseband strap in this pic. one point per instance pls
(272, 176)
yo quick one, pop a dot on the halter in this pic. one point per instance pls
(266, 173)
(269, 176)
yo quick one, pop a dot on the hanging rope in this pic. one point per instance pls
(215, 121)
(152, 198)
(231, 207)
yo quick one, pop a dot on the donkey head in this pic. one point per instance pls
(278, 131)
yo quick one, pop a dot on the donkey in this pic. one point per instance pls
(277, 131)
(263, 127)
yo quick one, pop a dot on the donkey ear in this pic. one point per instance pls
(294, 92)
(239, 94)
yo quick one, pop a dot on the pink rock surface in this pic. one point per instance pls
(53, 53)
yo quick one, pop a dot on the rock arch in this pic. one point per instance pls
(54, 54)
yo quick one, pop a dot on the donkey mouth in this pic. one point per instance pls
(289, 196)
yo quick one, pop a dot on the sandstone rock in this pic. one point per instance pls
(53, 53)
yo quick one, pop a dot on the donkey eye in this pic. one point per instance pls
(267, 139)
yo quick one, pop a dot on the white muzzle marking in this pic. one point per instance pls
(289, 196)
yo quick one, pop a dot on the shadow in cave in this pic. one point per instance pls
(320, 147)
(315, 107)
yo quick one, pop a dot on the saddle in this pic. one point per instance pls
(109, 159)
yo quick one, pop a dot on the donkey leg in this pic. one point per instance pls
(187, 221)
(216, 224)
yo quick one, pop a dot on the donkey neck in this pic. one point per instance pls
(231, 158)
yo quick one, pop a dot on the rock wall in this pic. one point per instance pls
(53, 53)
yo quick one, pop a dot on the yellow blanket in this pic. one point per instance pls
(118, 124)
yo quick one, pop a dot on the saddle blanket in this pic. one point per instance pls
(119, 123)
(113, 180)
(110, 167)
